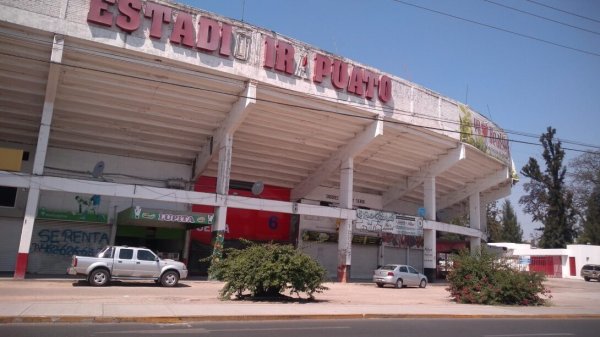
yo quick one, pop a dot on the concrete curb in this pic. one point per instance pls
(182, 319)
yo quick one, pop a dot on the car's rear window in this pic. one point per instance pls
(388, 267)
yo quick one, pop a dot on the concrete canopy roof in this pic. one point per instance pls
(115, 101)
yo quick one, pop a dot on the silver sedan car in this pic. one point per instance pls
(399, 275)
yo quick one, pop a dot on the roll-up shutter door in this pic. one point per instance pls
(325, 253)
(393, 255)
(10, 236)
(416, 259)
(364, 261)
(53, 243)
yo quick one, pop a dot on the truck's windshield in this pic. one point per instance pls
(106, 252)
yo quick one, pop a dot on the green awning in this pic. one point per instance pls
(138, 216)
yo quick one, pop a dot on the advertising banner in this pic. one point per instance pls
(388, 222)
(396, 230)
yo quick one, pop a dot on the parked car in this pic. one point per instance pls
(590, 271)
(127, 263)
(399, 275)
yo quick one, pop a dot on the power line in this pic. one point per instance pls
(292, 105)
(499, 28)
(542, 17)
(411, 114)
(228, 81)
(561, 10)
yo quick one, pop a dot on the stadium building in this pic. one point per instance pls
(156, 124)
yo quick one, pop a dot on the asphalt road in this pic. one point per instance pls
(325, 328)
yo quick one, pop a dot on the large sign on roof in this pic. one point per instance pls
(212, 36)
(207, 40)
(483, 135)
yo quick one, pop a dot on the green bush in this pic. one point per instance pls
(484, 278)
(267, 270)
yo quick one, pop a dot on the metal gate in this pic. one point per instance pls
(10, 236)
(551, 266)
(393, 255)
(364, 261)
(416, 258)
(325, 253)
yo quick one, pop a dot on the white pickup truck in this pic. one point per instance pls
(127, 263)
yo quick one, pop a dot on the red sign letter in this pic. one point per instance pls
(284, 59)
(208, 34)
(129, 19)
(183, 28)
(159, 14)
(385, 88)
(225, 40)
(355, 85)
(339, 76)
(322, 68)
(371, 81)
(269, 52)
(99, 12)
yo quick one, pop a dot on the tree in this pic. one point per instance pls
(585, 176)
(591, 223)
(493, 224)
(511, 230)
(266, 270)
(586, 186)
(484, 278)
(548, 199)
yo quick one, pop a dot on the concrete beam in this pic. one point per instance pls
(238, 113)
(475, 187)
(449, 228)
(432, 169)
(39, 160)
(48, 108)
(21, 180)
(427, 137)
(351, 149)
(495, 194)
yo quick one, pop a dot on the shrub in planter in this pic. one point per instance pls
(267, 270)
(484, 278)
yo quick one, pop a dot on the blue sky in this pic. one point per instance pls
(521, 84)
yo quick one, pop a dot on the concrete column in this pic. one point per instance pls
(114, 223)
(483, 219)
(429, 240)
(429, 198)
(345, 232)
(27, 231)
(186, 247)
(40, 156)
(218, 230)
(475, 220)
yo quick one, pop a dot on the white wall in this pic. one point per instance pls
(583, 254)
(26, 167)
(69, 18)
(403, 207)
(118, 169)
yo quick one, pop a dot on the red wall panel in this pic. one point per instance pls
(248, 224)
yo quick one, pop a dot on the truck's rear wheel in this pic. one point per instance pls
(169, 278)
(99, 277)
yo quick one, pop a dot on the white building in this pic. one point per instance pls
(122, 120)
(562, 263)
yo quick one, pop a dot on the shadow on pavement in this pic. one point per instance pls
(124, 284)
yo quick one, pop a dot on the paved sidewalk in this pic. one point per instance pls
(67, 300)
